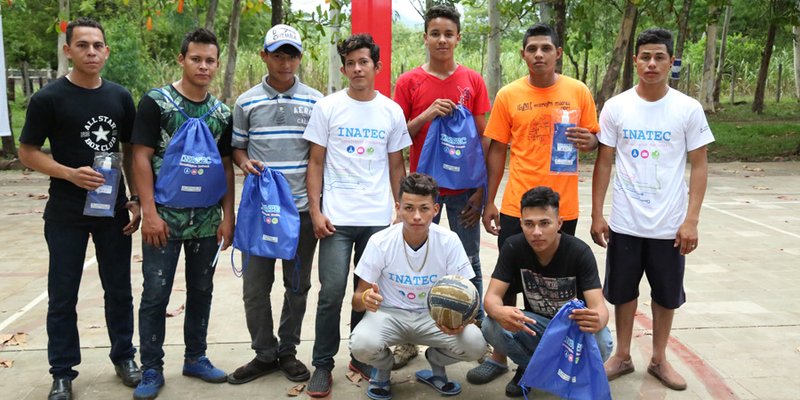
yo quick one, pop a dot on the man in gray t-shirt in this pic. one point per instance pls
(268, 125)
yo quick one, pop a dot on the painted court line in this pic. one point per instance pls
(713, 382)
(763, 225)
(33, 303)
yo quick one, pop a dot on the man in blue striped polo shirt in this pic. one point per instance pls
(268, 125)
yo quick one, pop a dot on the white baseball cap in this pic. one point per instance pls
(280, 35)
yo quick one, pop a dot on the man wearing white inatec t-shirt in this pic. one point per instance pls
(357, 136)
(653, 222)
(397, 270)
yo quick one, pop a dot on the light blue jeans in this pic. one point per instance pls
(334, 268)
(519, 347)
(470, 237)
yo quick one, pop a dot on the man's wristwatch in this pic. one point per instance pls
(134, 198)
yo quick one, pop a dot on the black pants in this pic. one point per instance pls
(67, 245)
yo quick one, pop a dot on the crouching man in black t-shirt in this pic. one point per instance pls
(81, 114)
(549, 268)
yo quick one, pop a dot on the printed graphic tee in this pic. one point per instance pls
(358, 137)
(572, 271)
(651, 139)
(78, 122)
(404, 275)
(523, 116)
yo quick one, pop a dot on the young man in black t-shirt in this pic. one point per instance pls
(549, 268)
(81, 114)
(202, 231)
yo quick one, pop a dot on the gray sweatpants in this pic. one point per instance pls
(372, 337)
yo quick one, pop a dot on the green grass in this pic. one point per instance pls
(744, 136)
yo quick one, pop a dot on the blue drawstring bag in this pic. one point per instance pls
(268, 224)
(567, 362)
(452, 153)
(192, 174)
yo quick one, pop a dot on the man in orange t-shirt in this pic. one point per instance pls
(523, 116)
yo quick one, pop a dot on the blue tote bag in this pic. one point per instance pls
(192, 174)
(268, 224)
(452, 152)
(567, 362)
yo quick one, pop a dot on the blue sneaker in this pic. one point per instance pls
(203, 369)
(151, 383)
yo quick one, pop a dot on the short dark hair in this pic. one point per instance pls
(359, 41)
(655, 36)
(83, 21)
(287, 49)
(419, 184)
(541, 29)
(540, 196)
(443, 11)
(199, 35)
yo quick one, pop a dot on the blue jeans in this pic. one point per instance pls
(158, 268)
(334, 268)
(519, 347)
(67, 245)
(470, 237)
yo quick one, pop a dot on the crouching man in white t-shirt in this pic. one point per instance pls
(397, 269)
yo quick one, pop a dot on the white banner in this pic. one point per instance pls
(5, 127)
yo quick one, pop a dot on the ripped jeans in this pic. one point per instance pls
(158, 268)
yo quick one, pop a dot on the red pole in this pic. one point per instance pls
(375, 17)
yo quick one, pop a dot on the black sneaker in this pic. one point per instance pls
(129, 372)
(61, 389)
(252, 370)
(320, 383)
(512, 388)
(363, 369)
(294, 370)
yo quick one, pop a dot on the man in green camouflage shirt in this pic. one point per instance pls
(200, 231)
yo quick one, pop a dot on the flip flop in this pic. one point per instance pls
(446, 388)
(379, 390)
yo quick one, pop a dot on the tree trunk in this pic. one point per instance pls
(494, 70)
(334, 61)
(277, 12)
(721, 61)
(627, 70)
(796, 31)
(63, 15)
(211, 14)
(707, 80)
(618, 54)
(761, 85)
(560, 23)
(683, 30)
(233, 42)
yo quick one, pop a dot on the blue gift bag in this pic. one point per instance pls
(192, 174)
(452, 152)
(268, 223)
(567, 362)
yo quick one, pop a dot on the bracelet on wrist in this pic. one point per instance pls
(134, 198)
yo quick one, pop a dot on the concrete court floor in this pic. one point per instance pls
(738, 336)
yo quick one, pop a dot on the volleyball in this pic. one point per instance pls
(453, 301)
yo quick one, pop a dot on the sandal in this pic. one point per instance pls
(379, 390)
(446, 388)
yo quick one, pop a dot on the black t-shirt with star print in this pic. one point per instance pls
(78, 122)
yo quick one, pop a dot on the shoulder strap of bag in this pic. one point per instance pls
(203, 117)
(168, 97)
